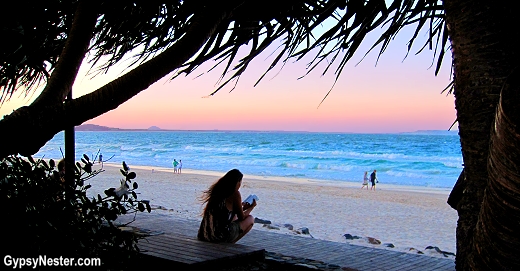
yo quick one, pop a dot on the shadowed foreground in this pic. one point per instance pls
(294, 250)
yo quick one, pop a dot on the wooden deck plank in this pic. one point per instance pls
(415, 262)
(169, 242)
(182, 252)
(197, 260)
(187, 251)
(352, 256)
(176, 254)
(209, 252)
(406, 264)
(188, 257)
(440, 264)
(166, 238)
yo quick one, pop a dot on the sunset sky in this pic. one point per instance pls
(394, 96)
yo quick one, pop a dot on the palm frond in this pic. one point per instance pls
(32, 38)
(142, 29)
(298, 28)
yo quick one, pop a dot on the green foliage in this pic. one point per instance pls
(44, 215)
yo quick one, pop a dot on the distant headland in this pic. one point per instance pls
(99, 128)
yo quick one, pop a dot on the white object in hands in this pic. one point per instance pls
(250, 198)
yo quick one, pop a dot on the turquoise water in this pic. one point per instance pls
(432, 160)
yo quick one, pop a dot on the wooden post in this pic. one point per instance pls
(70, 149)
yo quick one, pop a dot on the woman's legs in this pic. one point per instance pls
(245, 226)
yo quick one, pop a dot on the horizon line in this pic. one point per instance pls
(153, 128)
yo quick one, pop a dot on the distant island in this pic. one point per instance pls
(99, 128)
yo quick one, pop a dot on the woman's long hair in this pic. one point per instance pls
(221, 189)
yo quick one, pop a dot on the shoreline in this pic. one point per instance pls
(296, 180)
(409, 218)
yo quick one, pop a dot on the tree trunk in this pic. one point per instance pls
(483, 57)
(497, 240)
(76, 46)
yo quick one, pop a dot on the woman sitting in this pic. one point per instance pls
(225, 217)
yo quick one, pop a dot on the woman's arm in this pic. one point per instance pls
(241, 210)
(237, 206)
(249, 208)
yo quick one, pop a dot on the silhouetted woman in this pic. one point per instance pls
(225, 217)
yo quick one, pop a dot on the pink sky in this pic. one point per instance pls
(393, 96)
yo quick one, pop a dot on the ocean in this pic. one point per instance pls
(428, 159)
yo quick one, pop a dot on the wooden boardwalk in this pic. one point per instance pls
(341, 254)
(179, 251)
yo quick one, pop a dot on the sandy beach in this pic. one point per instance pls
(410, 218)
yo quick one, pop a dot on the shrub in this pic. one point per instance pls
(45, 216)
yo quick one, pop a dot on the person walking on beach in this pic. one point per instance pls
(100, 159)
(180, 167)
(225, 217)
(365, 180)
(175, 164)
(373, 180)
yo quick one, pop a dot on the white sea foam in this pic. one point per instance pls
(435, 160)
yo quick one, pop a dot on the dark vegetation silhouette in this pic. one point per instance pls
(47, 41)
(46, 216)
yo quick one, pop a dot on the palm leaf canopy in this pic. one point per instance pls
(330, 31)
